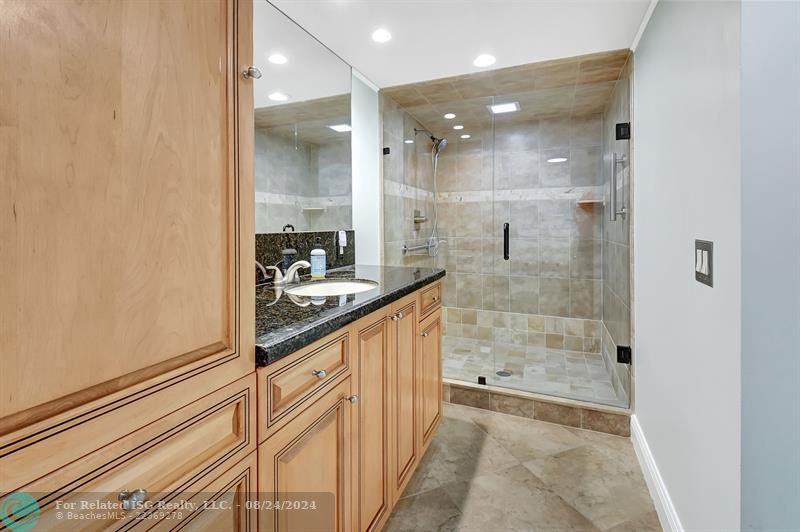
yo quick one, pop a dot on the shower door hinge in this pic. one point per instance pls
(623, 131)
(624, 354)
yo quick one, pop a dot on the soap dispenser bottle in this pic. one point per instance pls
(318, 261)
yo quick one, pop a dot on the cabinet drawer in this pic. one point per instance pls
(164, 458)
(430, 298)
(289, 384)
(227, 503)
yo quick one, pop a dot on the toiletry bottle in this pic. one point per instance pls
(318, 261)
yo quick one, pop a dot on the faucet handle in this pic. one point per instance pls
(277, 277)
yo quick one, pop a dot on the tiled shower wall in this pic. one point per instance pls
(290, 176)
(499, 176)
(616, 316)
(407, 184)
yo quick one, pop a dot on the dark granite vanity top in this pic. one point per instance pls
(289, 323)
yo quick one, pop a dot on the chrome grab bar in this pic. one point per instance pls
(613, 211)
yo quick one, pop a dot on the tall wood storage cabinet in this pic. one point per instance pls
(126, 225)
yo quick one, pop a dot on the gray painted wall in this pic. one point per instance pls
(770, 265)
(687, 167)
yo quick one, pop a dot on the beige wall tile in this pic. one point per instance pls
(560, 414)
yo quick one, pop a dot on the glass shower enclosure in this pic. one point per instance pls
(518, 202)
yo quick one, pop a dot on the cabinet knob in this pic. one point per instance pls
(320, 373)
(424, 335)
(353, 398)
(251, 72)
(435, 298)
(398, 316)
(132, 499)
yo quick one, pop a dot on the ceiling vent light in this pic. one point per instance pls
(450, 116)
(277, 59)
(465, 136)
(484, 60)
(381, 35)
(557, 160)
(341, 128)
(459, 126)
(501, 108)
(278, 97)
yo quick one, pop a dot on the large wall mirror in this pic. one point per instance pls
(303, 172)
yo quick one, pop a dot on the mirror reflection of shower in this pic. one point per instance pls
(438, 144)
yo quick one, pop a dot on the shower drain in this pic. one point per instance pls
(503, 373)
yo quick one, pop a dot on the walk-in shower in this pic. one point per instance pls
(537, 291)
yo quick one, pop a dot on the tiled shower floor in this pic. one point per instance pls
(570, 374)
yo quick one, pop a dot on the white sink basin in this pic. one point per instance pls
(331, 287)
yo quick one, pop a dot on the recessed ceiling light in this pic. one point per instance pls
(341, 128)
(449, 116)
(484, 60)
(458, 127)
(557, 160)
(277, 59)
(408, 141)
(278, 97)
(465, 136)
(381, 35)
(501, 108)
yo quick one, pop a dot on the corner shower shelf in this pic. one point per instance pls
(313, 209)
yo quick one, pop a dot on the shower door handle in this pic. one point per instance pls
(613, 210)
(505, 241)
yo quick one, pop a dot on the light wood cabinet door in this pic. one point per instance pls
(430, 368)
(309, 460)
(371, 371)
(126, 200)
(404, 383)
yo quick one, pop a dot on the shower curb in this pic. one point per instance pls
(567, 412)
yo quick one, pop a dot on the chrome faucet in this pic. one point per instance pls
(290, 276)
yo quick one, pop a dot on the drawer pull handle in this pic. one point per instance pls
(132, 499)
(353, 398)
(320, 373)
(424, 335)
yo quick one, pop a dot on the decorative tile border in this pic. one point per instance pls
(554, 332)
(562, 412)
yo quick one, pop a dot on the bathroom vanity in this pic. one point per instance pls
(349, 395)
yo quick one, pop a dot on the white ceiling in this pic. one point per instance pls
(433, 39)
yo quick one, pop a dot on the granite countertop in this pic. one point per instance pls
(287, 324)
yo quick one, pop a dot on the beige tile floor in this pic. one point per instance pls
(574, 375)
(491, 472)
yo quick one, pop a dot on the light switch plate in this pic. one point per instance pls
(704, 262)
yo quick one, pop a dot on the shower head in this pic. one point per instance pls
(438, 144)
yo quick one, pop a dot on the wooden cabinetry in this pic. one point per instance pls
(430, 371)
(227, 503)
(359, 431)
(404, 386)
(371, 445)
(126, 216)
(310, 459)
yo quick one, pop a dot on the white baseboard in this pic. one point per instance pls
(667, 514)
